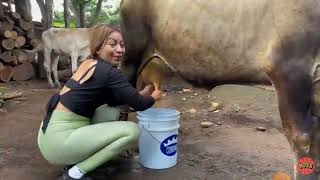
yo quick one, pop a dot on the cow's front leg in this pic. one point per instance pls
(293, 86)
(74, 60)
(47, 66)
(54, 69)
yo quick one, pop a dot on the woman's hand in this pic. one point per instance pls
(156, 94)
(147, 90)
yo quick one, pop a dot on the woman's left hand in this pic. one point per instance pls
(147, 90)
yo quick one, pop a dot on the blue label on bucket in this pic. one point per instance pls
(169, 145)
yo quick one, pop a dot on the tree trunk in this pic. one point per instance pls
(74, 7)
(46, 12)
(66, 13)
(82, 13)
(42, 8)
(96, 14)
(49, 8)
(24, 9)
(2, 16)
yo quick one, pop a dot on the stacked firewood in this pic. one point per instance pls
(17, 45)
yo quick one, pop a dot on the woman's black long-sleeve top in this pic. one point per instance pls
(107, 85)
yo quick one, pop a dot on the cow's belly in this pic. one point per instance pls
(209, 68)
(205, 46)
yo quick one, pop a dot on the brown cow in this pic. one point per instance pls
(210, 42)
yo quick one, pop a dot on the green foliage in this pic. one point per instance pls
(58, 20)
(115, 20)
(105, 16)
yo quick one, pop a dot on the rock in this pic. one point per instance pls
(186, 90)
(211, 98)
(177, 88)
(184, 99)
(261, 128)
(219, 123)
(236, 108)
(1, 102)
(192, 110)
(196, 94)
(206, 124)
(3, 110)
(214, 107)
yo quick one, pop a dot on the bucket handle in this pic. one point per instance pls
(151, 134)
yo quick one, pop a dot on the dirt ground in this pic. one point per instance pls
(230, 149)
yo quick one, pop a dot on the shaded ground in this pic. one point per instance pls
(234, 149)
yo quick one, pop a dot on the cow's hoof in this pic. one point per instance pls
(58, 86)
(51, 86)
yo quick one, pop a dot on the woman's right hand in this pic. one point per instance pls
(156, 94)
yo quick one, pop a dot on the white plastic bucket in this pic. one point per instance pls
(158, 141)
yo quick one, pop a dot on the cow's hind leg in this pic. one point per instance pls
(47, 65)
(293, 85)
(54, 69)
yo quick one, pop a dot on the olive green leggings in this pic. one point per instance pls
(72, 139)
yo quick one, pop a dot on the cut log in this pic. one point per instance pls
(8, 58)
(30, 34)
(19, 31)
(23, 72)
(32, 55)
(14, 34)
(5, 56)
(10, 34)
(64, 75)
(2, 16)
(15, 16)
(1, 66)
(9, 20)
(8, 44)
(21, 55)
(11, 95)
(35, 43)
(25, 25)
(4, 26)
(20, 41)
(6, 74)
